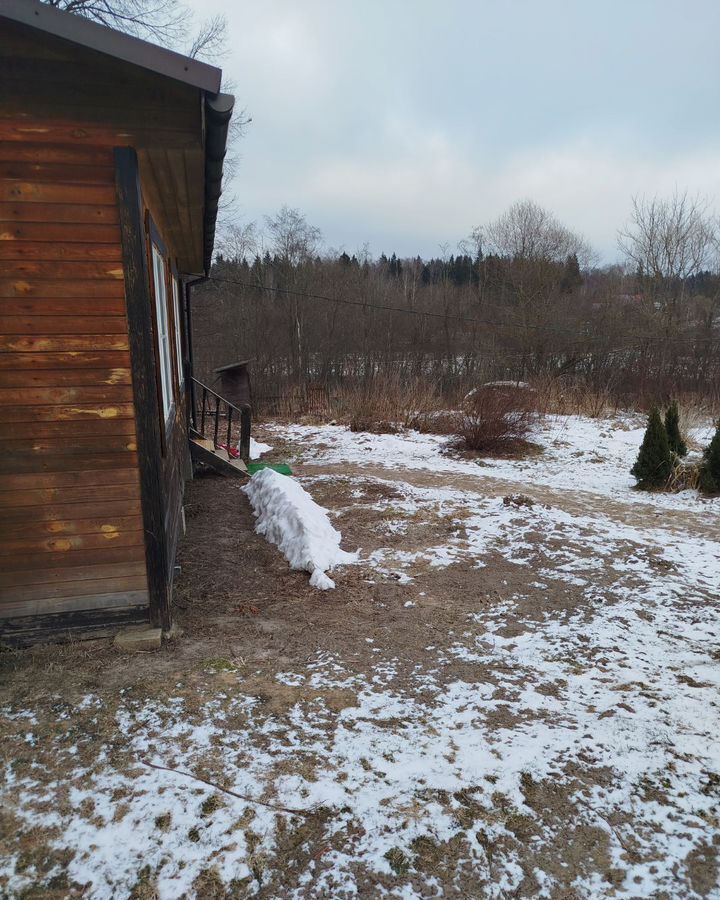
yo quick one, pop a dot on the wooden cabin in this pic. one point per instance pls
(111, 158)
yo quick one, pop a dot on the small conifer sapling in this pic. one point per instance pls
(672, 427)
(654, 463)
(710, 472)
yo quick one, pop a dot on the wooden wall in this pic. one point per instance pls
(73, 531)
(71, 527)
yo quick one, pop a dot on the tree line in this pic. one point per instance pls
(521, 297)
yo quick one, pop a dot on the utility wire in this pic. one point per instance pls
(344, 301)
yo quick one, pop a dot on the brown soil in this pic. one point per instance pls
(240, 610)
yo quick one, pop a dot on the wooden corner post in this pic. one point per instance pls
(142, 361)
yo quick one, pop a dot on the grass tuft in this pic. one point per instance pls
(398, 861)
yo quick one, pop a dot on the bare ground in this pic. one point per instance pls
(246, 621)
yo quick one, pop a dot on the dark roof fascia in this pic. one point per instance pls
(218, 112)
(79, 30)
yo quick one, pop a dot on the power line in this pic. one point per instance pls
(344, 301)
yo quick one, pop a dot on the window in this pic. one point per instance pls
(178, 331)
(163, 337)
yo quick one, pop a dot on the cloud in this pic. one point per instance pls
(434, 193)
(405, 130)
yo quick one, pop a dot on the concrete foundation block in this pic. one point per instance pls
(132, 640)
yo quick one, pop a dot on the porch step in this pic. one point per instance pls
(202, 450)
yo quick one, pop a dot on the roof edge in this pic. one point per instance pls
(218, 112)
(79, 30)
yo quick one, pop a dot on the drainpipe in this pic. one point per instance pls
(189, 367)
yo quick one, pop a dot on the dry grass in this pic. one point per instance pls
(390, 403)
(693, 414)
(685, 476)
(563, 396)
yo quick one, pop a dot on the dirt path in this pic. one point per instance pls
(637, 514)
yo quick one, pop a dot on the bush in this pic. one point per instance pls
(386, 404)
(495, 421)
(366, 409)
(672, 428)
(654, 463)
(710, 472)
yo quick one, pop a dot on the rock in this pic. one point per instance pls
(132, 640)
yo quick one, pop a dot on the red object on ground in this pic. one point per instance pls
(232, 452)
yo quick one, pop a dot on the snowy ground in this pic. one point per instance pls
(581, 454)
(520, 697)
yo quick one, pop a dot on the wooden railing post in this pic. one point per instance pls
(245, 422)
(202, 417)
(217, 421)
(229, 430)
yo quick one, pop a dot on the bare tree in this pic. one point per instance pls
(535, 258)
(294, 242)
(210, 40)
(667, 241)
(292, 238)
(168, 22)
(238, 242)
(671, 238)
(529, 232)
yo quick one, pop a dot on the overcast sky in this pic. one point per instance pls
(404, 124)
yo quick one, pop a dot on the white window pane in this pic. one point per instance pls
(162, 329)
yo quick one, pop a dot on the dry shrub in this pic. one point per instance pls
(496, 421)
(365, 409)
(301, 401)
(390, 403)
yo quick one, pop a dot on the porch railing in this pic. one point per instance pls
(218, 420)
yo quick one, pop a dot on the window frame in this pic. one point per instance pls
(175, 288)
(162, 318)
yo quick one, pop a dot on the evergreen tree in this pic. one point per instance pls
(571, 277)
(710, 474)
(672, 427)
(394, 267)
(654, 463)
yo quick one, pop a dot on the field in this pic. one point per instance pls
(512, 692)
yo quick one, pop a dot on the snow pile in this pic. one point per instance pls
(257, 448)
(289, 517)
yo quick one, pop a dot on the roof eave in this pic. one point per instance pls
(218, 112)
(79, 30)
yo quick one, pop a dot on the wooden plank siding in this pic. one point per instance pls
(71, 523)
(91, 480)
(63, 110)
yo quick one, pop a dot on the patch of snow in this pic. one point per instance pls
(288, 517)
(257, 448)
(579, 453)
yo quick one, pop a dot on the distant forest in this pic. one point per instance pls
(521, 299)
